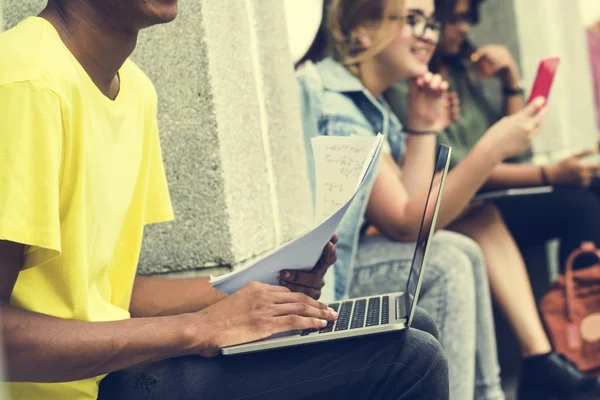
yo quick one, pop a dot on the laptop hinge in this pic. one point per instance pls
(401, 309)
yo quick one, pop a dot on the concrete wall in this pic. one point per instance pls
(532, 29)
(589, 11)
(1, 15)
(230, 131)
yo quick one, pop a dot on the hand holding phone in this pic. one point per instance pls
(544, 78)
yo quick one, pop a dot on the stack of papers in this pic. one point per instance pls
(341, 164)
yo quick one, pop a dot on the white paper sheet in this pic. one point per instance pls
(341, 163)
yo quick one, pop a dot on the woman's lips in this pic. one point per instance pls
(421, 54)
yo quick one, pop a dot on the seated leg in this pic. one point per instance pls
(402, 365)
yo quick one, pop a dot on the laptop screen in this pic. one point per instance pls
(430, 210)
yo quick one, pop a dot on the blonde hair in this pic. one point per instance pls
(344, 16)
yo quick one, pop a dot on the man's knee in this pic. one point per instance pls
(430, 349)
(430, 364)
(423, 322)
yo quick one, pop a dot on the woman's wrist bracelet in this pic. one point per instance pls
(510, 91)
(416, 132)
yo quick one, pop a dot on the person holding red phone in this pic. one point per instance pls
(486, 83)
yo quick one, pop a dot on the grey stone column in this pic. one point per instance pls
(533, 29)
(230, 131)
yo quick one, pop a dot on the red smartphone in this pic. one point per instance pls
(544, 78)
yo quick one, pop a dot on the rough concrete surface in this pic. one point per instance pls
(1, 15)
(174, 56)
(284, 125)
(230, 132)
(235, 95)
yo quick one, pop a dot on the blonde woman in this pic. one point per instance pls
(377, 43)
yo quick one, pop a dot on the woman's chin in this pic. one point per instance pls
(419, 69)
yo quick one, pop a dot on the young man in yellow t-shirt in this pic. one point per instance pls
(81, 173)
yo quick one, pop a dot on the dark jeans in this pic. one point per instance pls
(400, 365)
(571, 215)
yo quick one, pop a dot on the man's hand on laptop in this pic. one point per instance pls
(311, 282)
(256, 312)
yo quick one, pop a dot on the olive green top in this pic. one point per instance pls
(481, 105)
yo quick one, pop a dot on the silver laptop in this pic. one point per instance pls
(373, 314)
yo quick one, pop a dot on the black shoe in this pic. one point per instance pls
(556, 376)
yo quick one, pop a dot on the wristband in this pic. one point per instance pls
(509, 92)
(415, 132)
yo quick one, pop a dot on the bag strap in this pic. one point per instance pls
(586, 248)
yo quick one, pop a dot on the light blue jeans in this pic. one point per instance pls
(456, 294)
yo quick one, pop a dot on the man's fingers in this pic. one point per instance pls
(305, 310)
(309, 279)
(295, 297)
(296, 322)
(334, 238)
(328, 257)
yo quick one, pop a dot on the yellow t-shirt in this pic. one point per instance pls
(80, 175)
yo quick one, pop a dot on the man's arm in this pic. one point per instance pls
(153, 297)
(159, 297)
(42, 348)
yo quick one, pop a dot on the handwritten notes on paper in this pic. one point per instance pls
(340, 167)
(341, 163)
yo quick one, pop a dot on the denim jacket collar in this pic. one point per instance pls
(337, 78)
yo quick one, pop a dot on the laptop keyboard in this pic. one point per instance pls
(355, 314)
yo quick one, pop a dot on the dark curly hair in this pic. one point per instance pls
(444, 9)
(447, 8)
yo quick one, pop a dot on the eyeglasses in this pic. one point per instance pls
(419, 24)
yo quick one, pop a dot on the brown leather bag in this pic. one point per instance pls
(571, 312)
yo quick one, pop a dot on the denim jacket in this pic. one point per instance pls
(335, 102)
